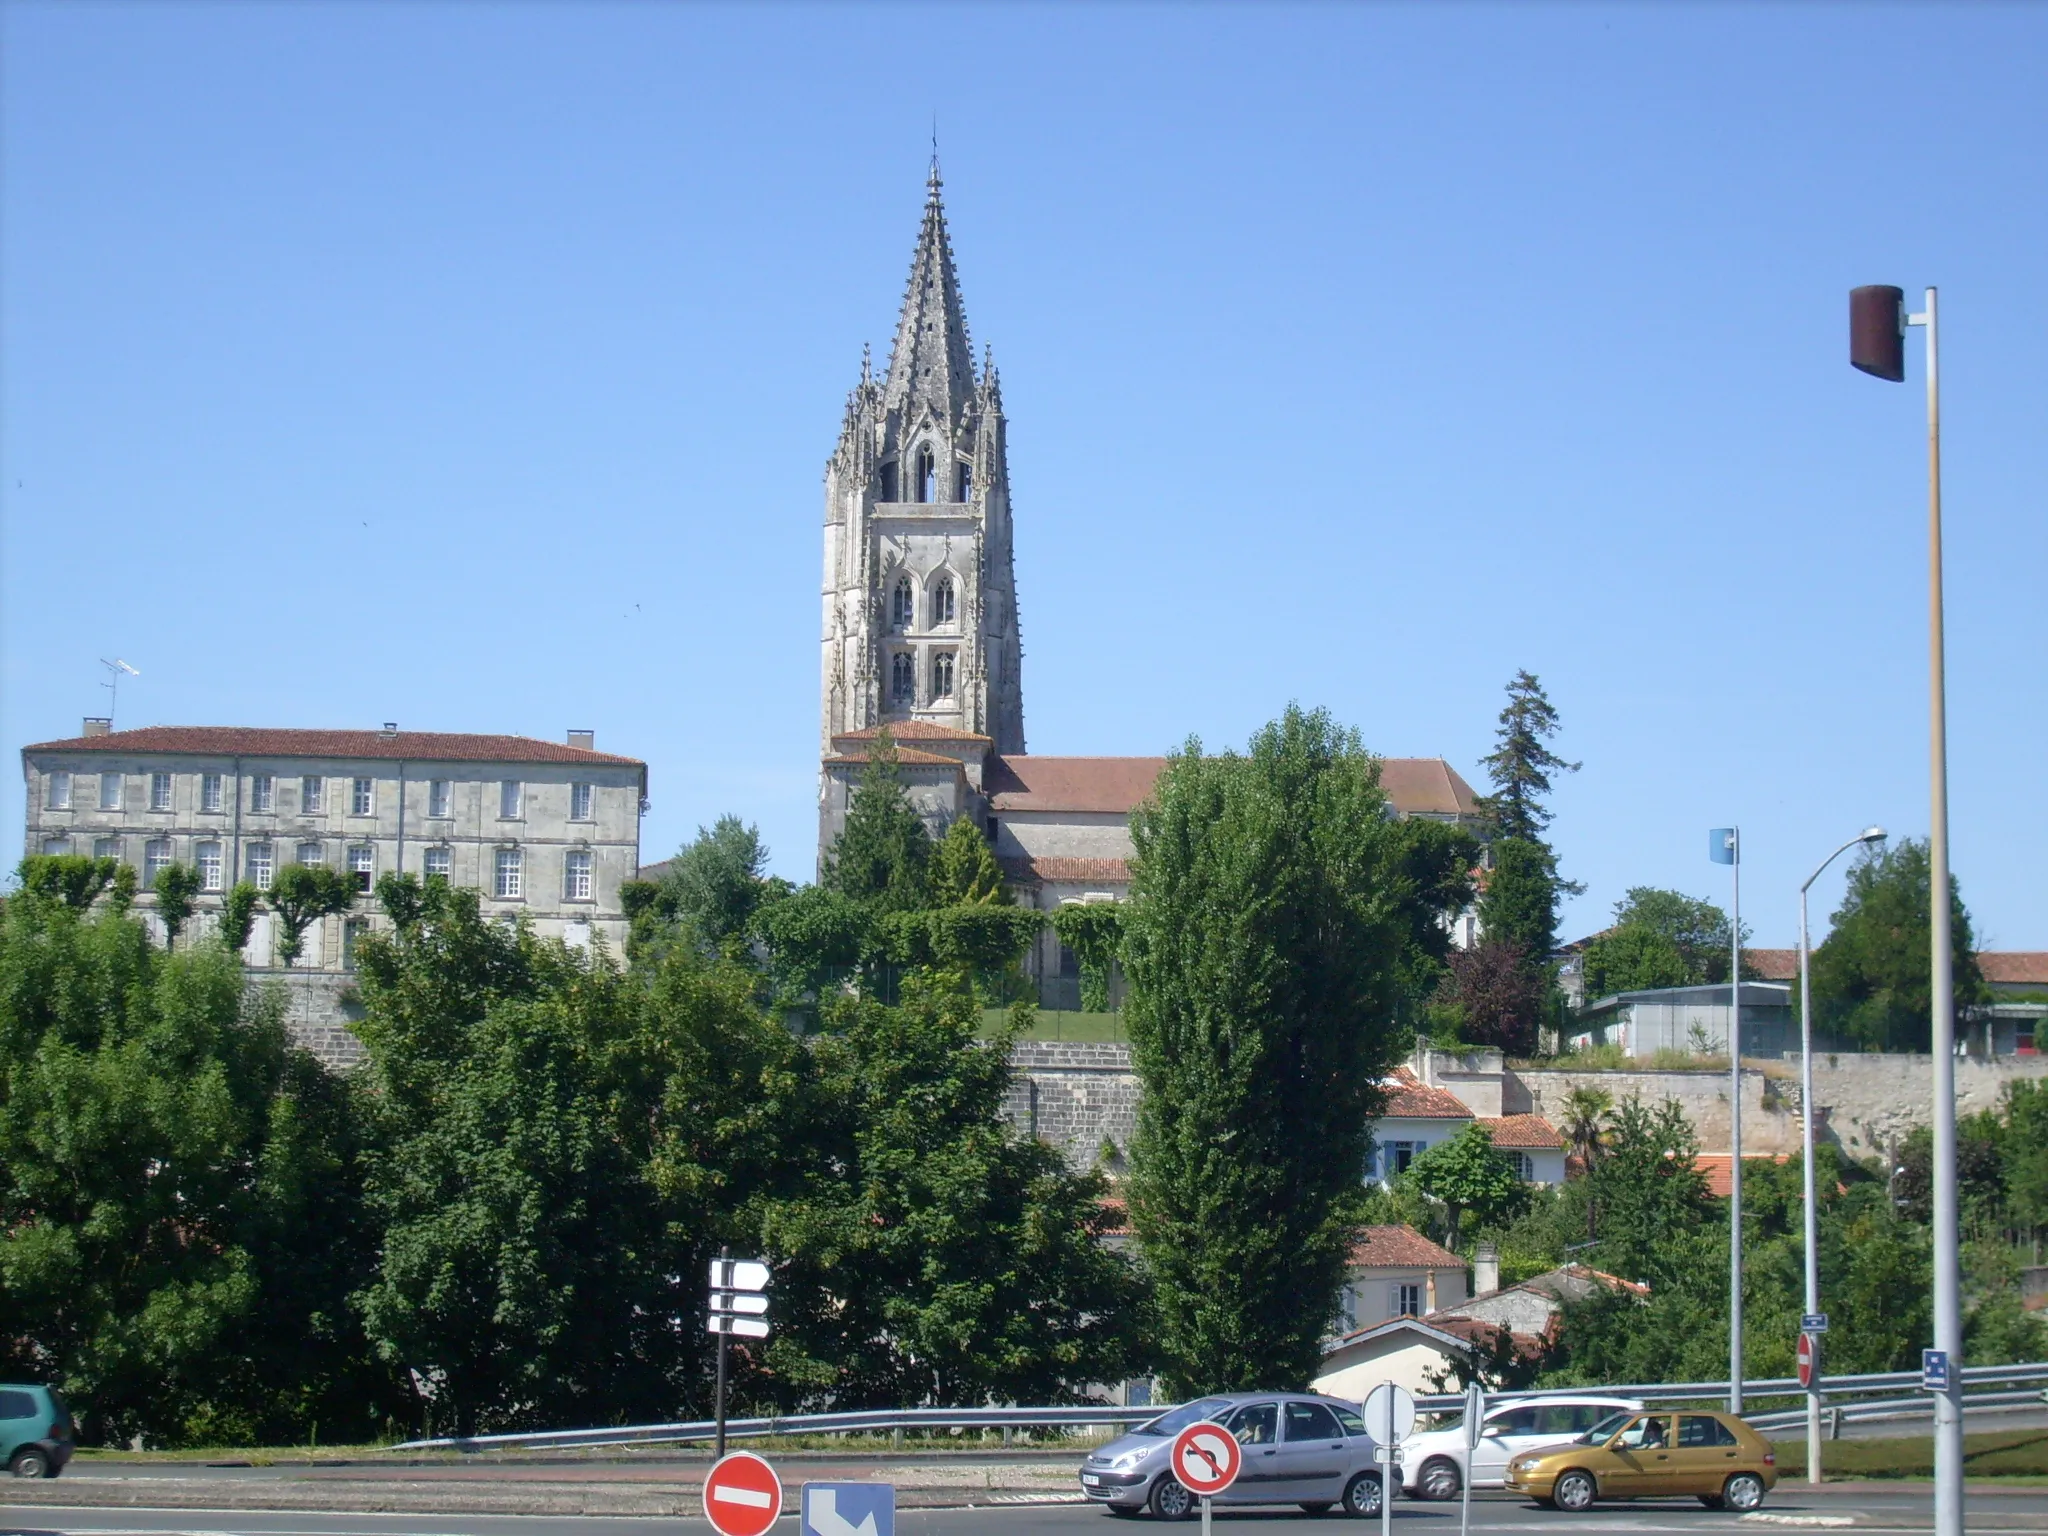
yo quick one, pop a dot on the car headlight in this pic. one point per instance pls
(1127, 1460)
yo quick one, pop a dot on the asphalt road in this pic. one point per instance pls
(1879, 1511)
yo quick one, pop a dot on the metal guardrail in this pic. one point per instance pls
(1882, 1385)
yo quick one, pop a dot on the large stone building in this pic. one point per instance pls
(920, 624)
(542, 829)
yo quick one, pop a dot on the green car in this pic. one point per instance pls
(35, 1430)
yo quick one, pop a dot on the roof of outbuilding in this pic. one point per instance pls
(1415, 786)
(1409, 1098)
(1719, 1168)
(1523, 1131)
(1050, 870)
(268, 741)
(1400, 1247)
(903, 755)
(909, 730)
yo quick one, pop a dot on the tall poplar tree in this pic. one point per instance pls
(1262, 945)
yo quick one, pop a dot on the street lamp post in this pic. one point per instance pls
(1866, 836)
(1877, 337)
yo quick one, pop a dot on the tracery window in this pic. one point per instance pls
(927, 475)
(903, 676)
(942, 601)
(963, 476)
(942, 675)
(903, 605)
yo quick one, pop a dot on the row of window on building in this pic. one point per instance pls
(903, 676)
(924, 479)
(362, 795)
(259, 865)
(939, 601)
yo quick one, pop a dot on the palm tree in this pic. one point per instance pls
(1585, 1130)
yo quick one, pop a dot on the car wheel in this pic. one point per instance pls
(1362, 1496)
(30, 1461)
(1575, 1491)
(1439, 1480)
(1745, 1490)
(1171, 1500)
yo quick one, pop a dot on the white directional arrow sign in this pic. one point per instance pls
(822, 1511)
(849, 1509)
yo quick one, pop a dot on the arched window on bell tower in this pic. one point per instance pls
(942, 601)
(927, 475)
(963, 475)
(902, 604)
(942, 675)
(902, 677)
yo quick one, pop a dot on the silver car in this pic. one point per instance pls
(1299, 1448)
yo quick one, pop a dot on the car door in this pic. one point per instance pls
(1641, 1461)
(1311, 1458)
(1504, 1432)
(1257, 1428)
(1704, 1453)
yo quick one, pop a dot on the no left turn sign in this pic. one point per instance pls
(1206, 1458)
(742, 1495)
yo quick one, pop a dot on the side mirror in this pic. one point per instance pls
(1490, 1432)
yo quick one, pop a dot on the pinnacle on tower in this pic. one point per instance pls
(931, 363)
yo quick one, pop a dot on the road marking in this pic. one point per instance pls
(1777, 1519)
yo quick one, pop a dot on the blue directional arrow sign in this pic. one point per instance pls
(849, 1509)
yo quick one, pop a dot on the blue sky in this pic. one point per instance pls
(475, 367)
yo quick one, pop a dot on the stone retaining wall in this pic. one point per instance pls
(1076, 1095)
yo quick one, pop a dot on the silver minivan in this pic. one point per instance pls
(1299, 1448)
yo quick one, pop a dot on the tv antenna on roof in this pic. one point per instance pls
(115, 669)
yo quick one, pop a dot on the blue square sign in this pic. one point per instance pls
(849, 1509)
(1934, 1370)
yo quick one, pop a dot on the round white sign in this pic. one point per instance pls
(1389, 1413)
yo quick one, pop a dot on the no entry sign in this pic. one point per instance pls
(1206, 1458)
(742, 1495)
(1809, 1359)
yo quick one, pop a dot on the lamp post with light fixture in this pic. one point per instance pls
(1869, 836)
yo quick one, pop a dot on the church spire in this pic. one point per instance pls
(931, 363)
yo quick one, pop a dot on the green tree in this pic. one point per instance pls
(1649, 1191)
(175, 887)
(563, 1147)
(1585, 1128)
(934, 1255)
(713, 885)
(814, 936)
(238, 916)
(180, 1194)
(1261, 944)
(1871, 977)
(1468, 1175)
(1659, 939)
(1430, 869)
(964, 870)
(70, 878)
(1519, 906)
(882, 856)
(301, 895)
(1521, 764)
(1094, 931)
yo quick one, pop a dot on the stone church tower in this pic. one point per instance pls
(920, 596)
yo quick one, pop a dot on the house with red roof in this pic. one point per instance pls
(1421, 1114)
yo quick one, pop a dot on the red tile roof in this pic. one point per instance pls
(2014, 967)
(263, 741)
(1399, 1247)
(1409, 1098)
(1117, 785)
(1045, 869)
(1720, 1176)
(1773, 964)
(1530, 1131)
(903, 755)
(909, 730)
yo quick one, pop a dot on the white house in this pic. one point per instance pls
(1419, 1115)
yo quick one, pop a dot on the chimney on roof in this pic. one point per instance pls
(97, 725)
(1485, 1269)
(390, 727)
(587, 740)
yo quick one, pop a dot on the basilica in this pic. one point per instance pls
(920, 622)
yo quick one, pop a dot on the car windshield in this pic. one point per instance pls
(1180, 1418)
(1607, 1427)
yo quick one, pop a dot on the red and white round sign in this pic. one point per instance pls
(742, 1495)
(1206, 1458)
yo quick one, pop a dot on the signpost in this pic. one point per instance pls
(1933, 1370)
(1206, 1459)
(1390, 1419)
(849, 1509)
(736, 1306)
(1475, 1410)
(742, 1495)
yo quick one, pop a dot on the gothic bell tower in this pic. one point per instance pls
(920, 596)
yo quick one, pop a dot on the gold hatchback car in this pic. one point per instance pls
(1714, 1456)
